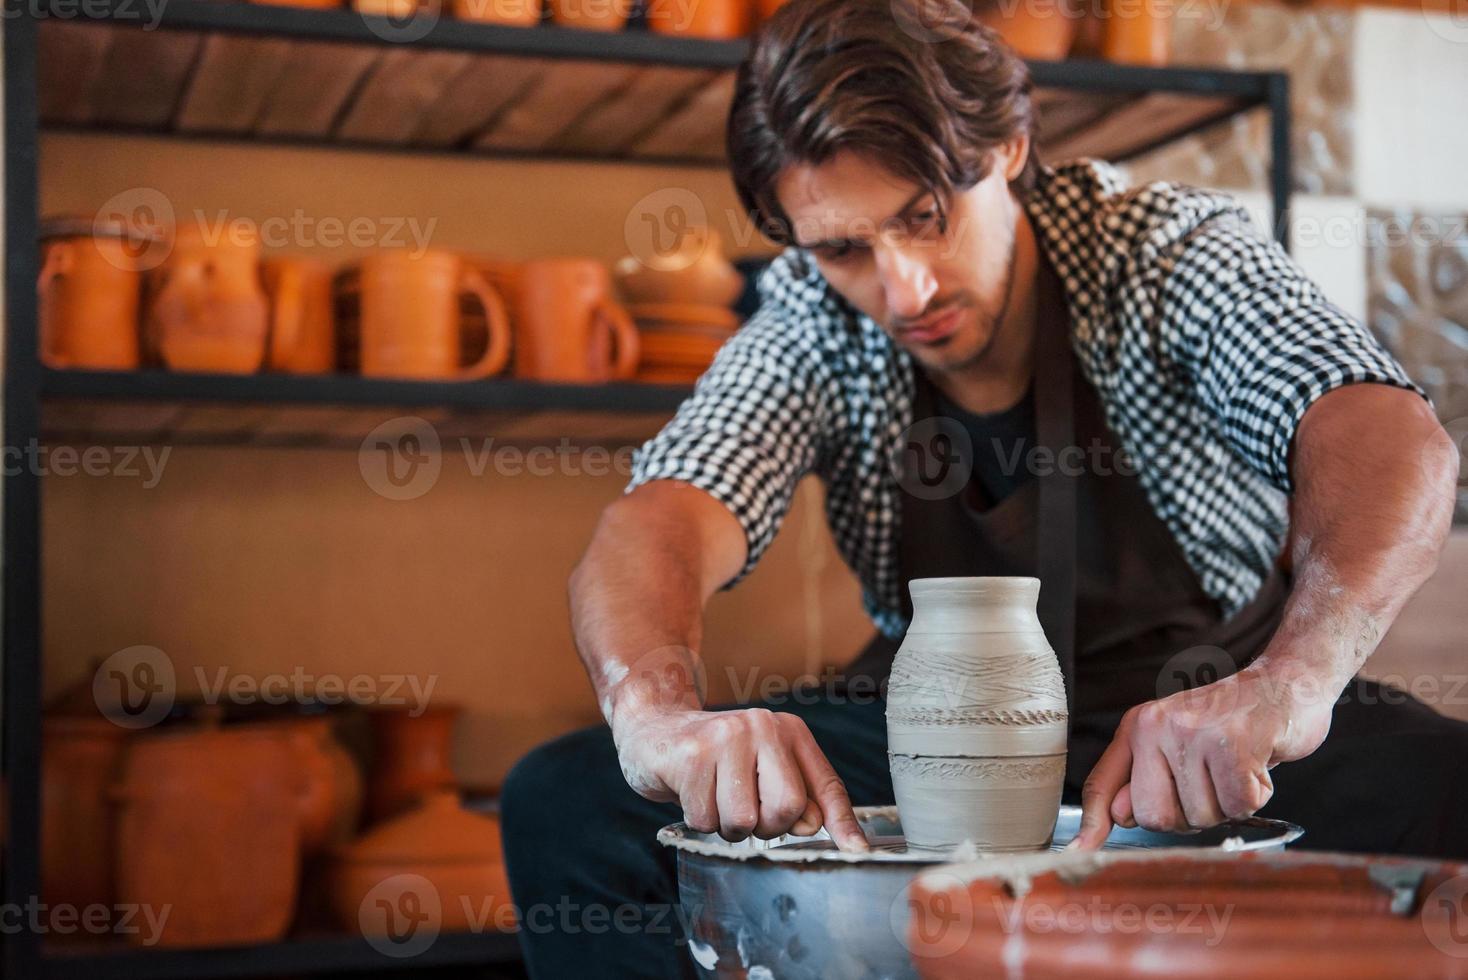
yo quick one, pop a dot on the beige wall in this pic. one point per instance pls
(262, 561)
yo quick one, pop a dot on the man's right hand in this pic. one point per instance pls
(740, 772)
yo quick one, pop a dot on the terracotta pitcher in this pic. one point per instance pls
(209, 310)
(412, 757)
(567, 326)
(88, 289)
(330, 802)
(208, 824)
(303, 335)
(412, 325)
(976, 717)
(79, 761)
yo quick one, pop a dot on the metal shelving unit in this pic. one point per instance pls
(253, 74)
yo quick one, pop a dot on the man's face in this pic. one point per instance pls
(940, 294)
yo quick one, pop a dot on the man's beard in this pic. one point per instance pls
(996, 322)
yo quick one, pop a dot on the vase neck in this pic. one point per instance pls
(990, 604)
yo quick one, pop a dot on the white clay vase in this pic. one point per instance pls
(976, 717)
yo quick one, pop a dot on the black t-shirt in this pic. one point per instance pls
(998, 443)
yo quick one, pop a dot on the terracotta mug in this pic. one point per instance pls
(567, 326)
(1141, 36)
(521, 13)
(303, 336)
(412, 325)
(89, 290)
(591, 15)
(209, 310)
(714, 19)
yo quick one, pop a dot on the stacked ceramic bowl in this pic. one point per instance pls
(680, 300)
(679, 340)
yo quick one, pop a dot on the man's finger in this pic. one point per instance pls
(829, 793)
(809, 823)
(782, 792)
(1111, 772)
(736, 790)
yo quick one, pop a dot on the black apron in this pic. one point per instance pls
(1118, 599)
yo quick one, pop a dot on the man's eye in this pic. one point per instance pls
(836, 253)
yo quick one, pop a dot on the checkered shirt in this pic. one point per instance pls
(1204, 340)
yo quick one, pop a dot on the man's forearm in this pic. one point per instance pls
(1374, 476)
(637, 618)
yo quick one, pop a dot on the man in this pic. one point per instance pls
(1261, 489)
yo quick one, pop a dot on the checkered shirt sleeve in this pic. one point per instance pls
(750, 430)
(1258, 340)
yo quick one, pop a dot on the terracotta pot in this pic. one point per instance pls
(976, 717)
(694, 271)
(567, 326)
(79, 761)
(303, 334)
(437, 868)
(208, 309)
(412, 757)
(521, 13)
(208, 824)
(768, 8)
(1040, 29)
(714, 19)
(1136, 34)
(330, 804)
(411, 322)
(1190, 914)
(89, 290)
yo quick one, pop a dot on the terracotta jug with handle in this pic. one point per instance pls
(303, 331)
(567, 326)
(412, 323)
(89, 290)
(209, 310)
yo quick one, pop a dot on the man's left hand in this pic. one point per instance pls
(1199, 757)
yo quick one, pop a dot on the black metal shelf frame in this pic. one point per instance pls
(26, 383)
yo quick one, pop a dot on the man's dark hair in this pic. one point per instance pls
(919, 86)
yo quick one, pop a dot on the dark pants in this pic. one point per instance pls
(597, 895)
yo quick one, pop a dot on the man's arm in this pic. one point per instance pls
(637, 601)
(1308, 399)
(1375, 474)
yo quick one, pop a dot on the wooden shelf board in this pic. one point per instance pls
(257, 73)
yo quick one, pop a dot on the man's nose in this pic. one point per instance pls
(908, 283)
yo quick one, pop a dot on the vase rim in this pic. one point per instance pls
(973, 583)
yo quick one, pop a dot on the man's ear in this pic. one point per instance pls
(1015, 152)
